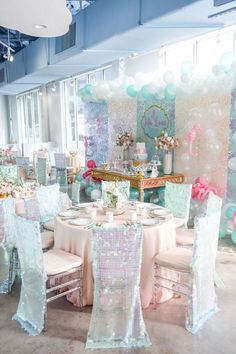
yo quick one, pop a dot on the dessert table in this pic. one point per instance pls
(156, 238)
(139, 182)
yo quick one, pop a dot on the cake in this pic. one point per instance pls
(140, 153)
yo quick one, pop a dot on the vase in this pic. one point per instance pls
(167, 162)
(126, 154)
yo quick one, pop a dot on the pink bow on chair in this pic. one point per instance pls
(201, 189)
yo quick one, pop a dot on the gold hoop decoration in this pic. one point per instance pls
(153, 123)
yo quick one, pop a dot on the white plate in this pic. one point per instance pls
(68, 213)
(160, 212)
(86, 205)
(149, 222)
(80, 222)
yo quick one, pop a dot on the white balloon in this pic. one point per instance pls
(96, 194)
(195, 114)
(232, 163)
(152, 87)
(169, 77)
(216, 111)
(218, 70)
(210, 133)
(185, 157)
(185, 78)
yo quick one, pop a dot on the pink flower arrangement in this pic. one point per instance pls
(125, 140)
(165, 142)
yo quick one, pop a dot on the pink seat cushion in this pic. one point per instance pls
(47, 239)
(185, 237)
(49, 225)
(179, 222)
(176, 258)
(57, 261)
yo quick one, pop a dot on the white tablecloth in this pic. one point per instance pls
(157, 238)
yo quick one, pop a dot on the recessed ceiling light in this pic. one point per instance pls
(38, 26)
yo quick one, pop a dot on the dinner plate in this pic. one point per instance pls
(160, 212)
(80, 222)
(149, 222)
(86, 205)
(68, 213)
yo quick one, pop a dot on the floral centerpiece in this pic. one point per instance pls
(114, 196)
(167, 144)
(125, 140)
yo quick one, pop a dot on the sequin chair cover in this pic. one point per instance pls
(75, 193)
(60, 163)
(117, 189)
(117, 319)
(48, 200)
(32, 304)
(41, 171)
(177, 199)
(9, 260)
(197, 283)
(32, 211)
(213, 204)
(9, 173)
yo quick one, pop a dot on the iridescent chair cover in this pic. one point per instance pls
(9, 260)
(202, 303)
(177, 199)
(9, 173)
(60, 163)
(117, 319)
(196, 278)
(32, 304)
(41, 171)
(48, 199)
(75, 192)
(119, 188)
(32, 211)
(213, 204)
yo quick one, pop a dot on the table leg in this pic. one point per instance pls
(141, 194)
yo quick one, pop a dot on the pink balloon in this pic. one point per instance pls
(234, 219)
(91, 164)
(201, 189)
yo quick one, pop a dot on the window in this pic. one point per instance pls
(29, 117)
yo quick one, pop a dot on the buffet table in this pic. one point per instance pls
(156, 238)
(139, 182)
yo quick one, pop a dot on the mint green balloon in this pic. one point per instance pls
(233, 236)
(170, 92)
(134, 194)
(227, 59)
(87, 89)
(223, 229)
(131, 91)
(145, 92)
(230, 212)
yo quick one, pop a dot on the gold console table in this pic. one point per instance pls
(139, 182)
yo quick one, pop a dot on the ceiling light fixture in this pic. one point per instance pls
(53, 88)
(38, 26)
(8, 56)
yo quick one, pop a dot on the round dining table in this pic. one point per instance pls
(158, 237)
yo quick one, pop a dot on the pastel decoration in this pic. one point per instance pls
(223, 229)
(131, 91)
(96, 194)
(170, 91)
(201, 189)
(226, 60)
(91, 164)
(186, 67)
(145, 92)
(88, 191)
(134, 194)
(169, 77)
(233, 236)
(191, 136)
(230, 211)
(234, 219)
(232, 163)
(78, 177)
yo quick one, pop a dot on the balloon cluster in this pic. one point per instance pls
(90, 185)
